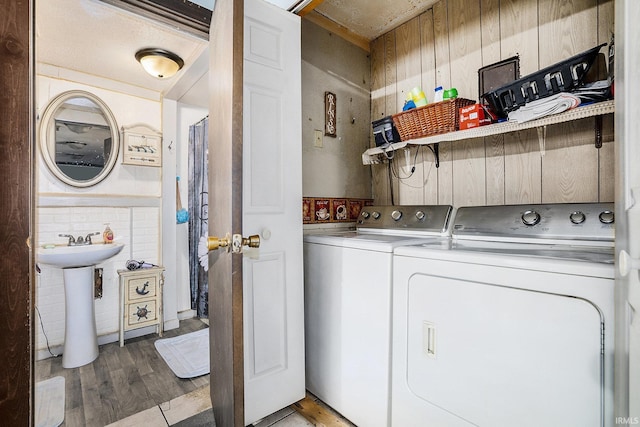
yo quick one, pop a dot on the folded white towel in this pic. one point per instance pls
(553, 104)
(203, 253)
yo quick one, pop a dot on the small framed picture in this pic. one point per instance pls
(355, 206)
(322, 210)
(330, 117)
(306, 210)
(339, 209)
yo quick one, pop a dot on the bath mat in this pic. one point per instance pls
(187, 355)
(49, 401)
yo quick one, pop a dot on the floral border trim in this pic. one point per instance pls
(317, 210)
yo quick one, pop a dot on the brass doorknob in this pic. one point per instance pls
(214, 243)
(251, 241)
(235, 242)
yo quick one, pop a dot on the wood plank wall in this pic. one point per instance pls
(445, 46)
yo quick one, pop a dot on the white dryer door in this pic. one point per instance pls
(500, 356)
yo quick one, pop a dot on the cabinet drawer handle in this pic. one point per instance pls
(142, 291)
(141, 312)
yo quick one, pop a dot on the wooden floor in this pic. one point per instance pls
(121, 381)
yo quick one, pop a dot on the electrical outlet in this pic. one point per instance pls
(317, 138)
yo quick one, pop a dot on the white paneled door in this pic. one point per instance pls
(255, 188)
(272, 194)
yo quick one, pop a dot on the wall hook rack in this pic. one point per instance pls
(142, 146)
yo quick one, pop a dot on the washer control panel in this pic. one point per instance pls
(433, 219)
(565, 221)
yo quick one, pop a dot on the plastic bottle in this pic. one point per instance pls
(438, 94)
(107, 234)
(451, 93)
(419, 99)
(408, 105)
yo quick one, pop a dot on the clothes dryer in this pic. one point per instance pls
(509, 323)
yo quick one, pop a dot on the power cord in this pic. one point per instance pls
(45, 334)
(389, 174)
(387, 149)
(413, 168)
(396, 171)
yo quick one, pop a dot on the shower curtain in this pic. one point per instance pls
(198, 214)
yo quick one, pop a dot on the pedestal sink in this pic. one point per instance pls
(78, 263)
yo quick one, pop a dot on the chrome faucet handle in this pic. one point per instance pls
(87, 240)
(72, 239)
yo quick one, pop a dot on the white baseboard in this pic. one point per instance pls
(171, 324)
(43, 353)
(187, 314)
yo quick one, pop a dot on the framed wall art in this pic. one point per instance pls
(330, 114)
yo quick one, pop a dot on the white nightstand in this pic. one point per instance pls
(140, 299)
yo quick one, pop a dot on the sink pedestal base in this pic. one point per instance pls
(80, 336)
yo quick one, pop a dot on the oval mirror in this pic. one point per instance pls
(79, 138)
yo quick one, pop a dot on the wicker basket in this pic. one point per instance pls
(432, 119)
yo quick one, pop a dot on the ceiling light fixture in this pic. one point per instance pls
(78, 127)
(160, 63)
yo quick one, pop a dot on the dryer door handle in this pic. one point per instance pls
(429, 339)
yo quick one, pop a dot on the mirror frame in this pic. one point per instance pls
(47, 135)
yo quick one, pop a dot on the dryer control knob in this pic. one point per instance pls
(606, 217)
(530, 218)
(375, 214)
(365, 215)
(420, 216)
(577, 217)
(396, 215)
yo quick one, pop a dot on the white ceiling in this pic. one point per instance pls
(372, 18)
(98, 39)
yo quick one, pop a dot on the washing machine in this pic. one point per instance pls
(510, 323)
(348, 306)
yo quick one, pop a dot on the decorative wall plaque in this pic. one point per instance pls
(330, 114)
(142, 146)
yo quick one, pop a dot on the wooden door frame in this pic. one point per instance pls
(17, 192)
(225, 202)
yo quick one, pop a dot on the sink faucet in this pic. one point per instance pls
(80, 240)
(72, 240)
(87, 240)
